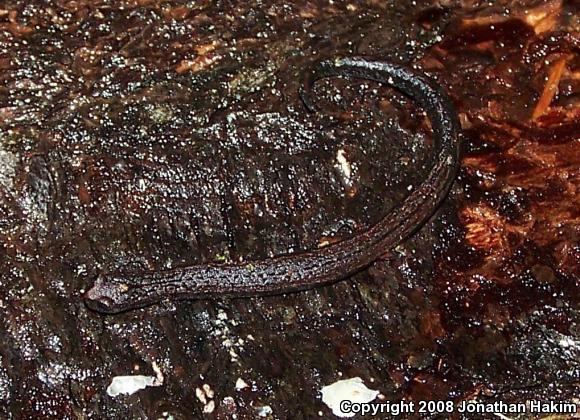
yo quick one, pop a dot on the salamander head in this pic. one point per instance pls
(107, 296)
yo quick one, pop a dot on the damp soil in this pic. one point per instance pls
(143, 135)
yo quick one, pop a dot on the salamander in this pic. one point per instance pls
(115, 292)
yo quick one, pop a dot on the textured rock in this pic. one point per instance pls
(147, 135)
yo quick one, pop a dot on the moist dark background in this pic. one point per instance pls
(146, 135)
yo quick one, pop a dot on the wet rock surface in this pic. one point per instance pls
(146, 135)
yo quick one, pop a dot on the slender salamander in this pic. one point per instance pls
(115, 292)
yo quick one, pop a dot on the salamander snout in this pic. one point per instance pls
(107, 296)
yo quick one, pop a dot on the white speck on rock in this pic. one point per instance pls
(130, 384)
(200, 396)
(234, 357)
(209, 407)
(344, 168)
(352, 389)
(205, 395)
(241, 384)
(344, 163)
(264, 410)
(208, 391)
(158, 373)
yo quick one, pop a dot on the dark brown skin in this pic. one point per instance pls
(114, 293)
